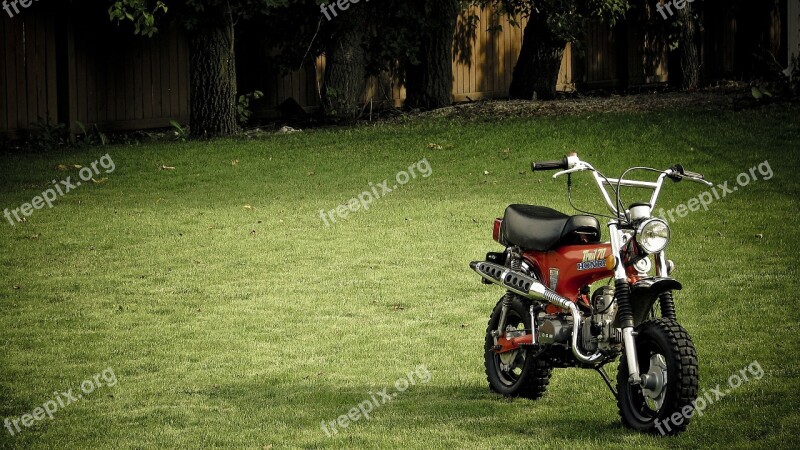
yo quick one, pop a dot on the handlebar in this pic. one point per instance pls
(550, 165)
(572, 163)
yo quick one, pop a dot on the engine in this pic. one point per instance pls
(597, 331)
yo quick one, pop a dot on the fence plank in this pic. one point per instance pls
(175, 101)
(4, 91)
(39, 64)
(19, 66)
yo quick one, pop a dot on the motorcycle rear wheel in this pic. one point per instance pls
(665, 351)
(525, 375)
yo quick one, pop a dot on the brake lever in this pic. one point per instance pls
(700, 180)
(568, 171)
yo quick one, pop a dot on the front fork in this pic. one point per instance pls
(622, 292)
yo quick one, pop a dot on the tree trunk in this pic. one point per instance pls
(212, 70)
(536, 72)
(345, 70)
(429, 83)
(687, 49)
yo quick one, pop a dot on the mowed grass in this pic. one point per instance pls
(232, 316)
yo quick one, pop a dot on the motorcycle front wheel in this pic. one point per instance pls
(519, 373)
(667, 355)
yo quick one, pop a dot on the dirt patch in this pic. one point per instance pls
(715, 99)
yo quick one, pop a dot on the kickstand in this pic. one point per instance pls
(603, 374)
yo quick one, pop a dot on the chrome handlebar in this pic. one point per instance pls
(676, 173)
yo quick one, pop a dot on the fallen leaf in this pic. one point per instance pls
(398, 307)
(248, 207)
(486, 172)
(310, 174)
(17, 287)
(166, 168)
(61, 167)
(77, 166)
(760, 236)
(253, 233)
(434, 146)
(235, 162)
(100, 181)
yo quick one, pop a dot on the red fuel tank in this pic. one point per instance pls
(567, 269)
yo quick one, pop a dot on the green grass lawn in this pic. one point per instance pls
(232, 316)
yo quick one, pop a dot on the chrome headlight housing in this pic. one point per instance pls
(653, 235)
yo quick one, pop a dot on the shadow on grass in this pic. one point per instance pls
(431, 411)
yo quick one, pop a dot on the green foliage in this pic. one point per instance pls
(243, 106)
(47, 136)
(139, 13)
(93, 135)
(776, 82)
(566, 19)
(180, 132)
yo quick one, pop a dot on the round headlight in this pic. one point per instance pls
(653, 235)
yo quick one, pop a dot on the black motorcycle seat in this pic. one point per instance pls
(540, 229)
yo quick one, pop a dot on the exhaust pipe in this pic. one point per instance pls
(530, 287)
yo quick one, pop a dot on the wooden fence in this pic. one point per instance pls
(118, 81)
(64, 62)
(28, 78)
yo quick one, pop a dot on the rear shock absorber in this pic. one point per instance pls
(515, 263)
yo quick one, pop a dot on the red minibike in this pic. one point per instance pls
(550, 318)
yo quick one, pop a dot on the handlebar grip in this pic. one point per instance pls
(561, 164)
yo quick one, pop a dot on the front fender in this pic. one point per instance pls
(645, 292)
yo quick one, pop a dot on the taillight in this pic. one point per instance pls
(496, 230)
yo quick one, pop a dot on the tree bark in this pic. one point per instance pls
(212, 89)
(687, 49)
(429, 83)
(536, 72)
(345, 70)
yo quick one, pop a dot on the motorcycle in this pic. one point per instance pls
(547, 318)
